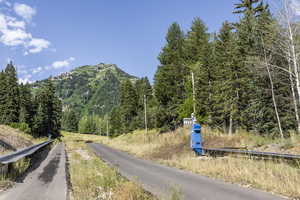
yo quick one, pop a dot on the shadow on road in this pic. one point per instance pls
(35, 161)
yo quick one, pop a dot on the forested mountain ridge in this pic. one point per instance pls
(90, 89)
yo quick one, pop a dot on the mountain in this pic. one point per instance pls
(90, 89)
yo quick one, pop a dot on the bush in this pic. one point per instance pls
(21, 126)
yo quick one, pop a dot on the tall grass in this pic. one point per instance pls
(172, 149)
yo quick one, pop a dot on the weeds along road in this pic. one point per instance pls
(161, 180)
(47, 182)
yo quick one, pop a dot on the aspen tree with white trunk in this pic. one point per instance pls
(289, 10)
(266, 63)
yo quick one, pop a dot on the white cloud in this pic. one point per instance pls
(13, 32)
(3, 24)
(15, 37)
(64, 63)
(14, 23)
(24, 11)
(295, 7)
(26, 79)
(37, 70)
(36, 45)
(54, 65)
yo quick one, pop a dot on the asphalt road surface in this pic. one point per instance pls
(161, 180)
(47, 182)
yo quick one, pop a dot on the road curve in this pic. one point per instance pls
(47, 182)
(159, 179)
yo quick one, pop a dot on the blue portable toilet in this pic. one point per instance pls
(196, 139)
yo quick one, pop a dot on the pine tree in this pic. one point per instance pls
(26, 108)
(3, 95)
(227, 83)
(115, 122)
(12, 99)
(197, 42)
(199, 53)
(144, 90)
(128, 106)
(169, 84)
(251, 84)
(47, 120)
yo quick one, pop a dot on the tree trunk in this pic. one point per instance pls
(272, 90)
(230, 123)
(293, 94)
(293, 52)
(274, 101)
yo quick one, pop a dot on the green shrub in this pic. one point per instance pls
(21, 126)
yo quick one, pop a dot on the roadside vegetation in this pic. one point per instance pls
(172, 149)
(12, 139)
(91, 178)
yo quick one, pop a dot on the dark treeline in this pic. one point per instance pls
(38, 114)
(246, 77)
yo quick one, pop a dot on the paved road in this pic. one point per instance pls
(159, 179)
(47, 182)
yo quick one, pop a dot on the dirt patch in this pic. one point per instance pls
(166, 152)
(211, 141)
(84, 154)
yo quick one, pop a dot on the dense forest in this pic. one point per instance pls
(38, 114)
(246, 76)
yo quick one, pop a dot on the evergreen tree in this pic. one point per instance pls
(12, 99)
(3, 95)
(26, 107)
(169, 85)
(128, 106)
(197, 42)
(115, 122)
(199, 53)
(144, 90)
(47, 120)
(227, 83)
(251, 92)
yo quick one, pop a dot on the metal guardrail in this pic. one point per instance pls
(213, 151)
(15, 156)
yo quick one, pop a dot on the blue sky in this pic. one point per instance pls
(48, 37)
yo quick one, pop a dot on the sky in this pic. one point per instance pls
(49, 37)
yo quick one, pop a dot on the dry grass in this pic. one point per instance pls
(278, 178)
(173, 149)
(12, 139)
(91, 178)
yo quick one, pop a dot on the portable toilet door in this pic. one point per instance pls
(196, 139)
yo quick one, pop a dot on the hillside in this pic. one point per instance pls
(91, 88)
(12, 139)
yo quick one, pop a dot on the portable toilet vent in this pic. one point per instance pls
(196, 139)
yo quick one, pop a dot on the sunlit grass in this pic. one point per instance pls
(91, 178)
(172, 149)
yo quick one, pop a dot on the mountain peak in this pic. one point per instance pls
(90, 85)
